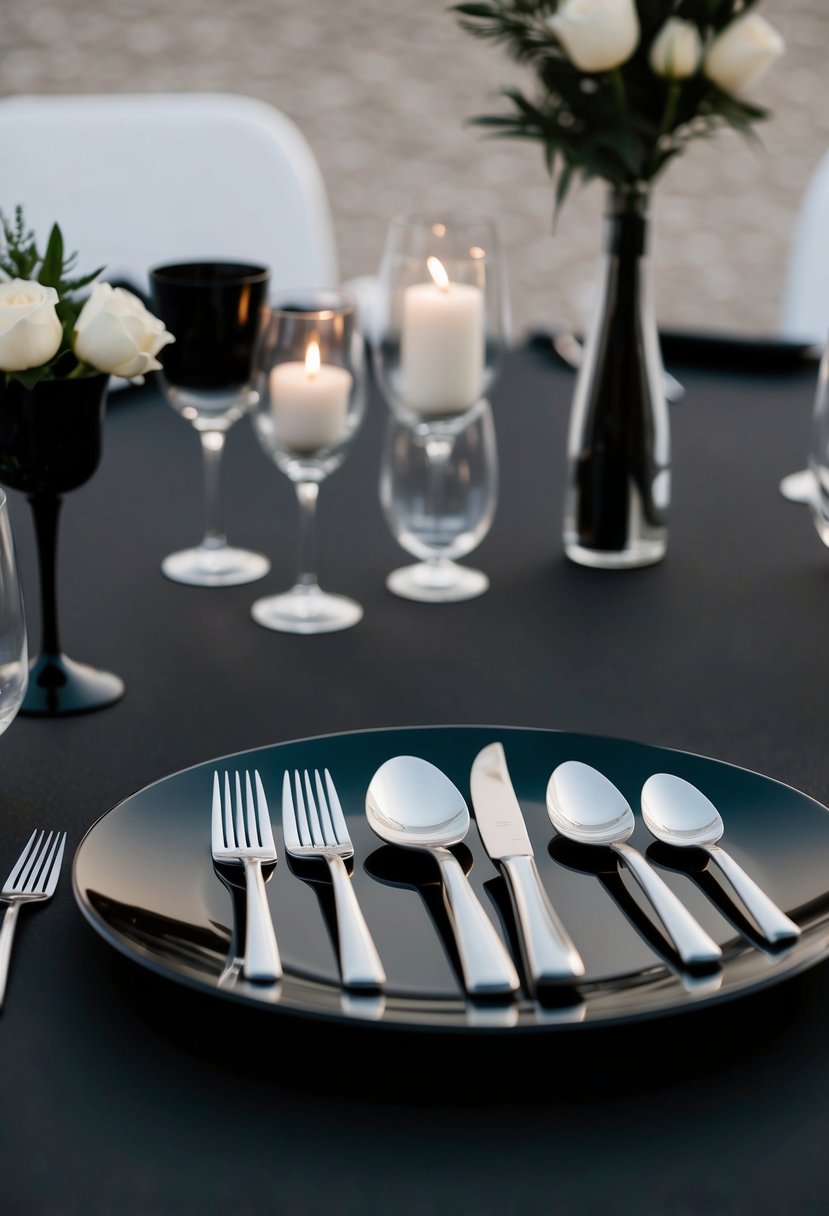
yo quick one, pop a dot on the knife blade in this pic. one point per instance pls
(550, 955)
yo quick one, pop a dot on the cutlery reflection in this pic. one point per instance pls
(315, 827)
(586, 807)
(679, 814)
(244, 837)
(33, 878)
(411, 803)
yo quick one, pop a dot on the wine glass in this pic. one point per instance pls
(215, 310)
(311, 403)
(439, 492)
(14, 667)
(441, 333)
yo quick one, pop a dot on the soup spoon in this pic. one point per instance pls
(413, 804)
(677, 813)
(585, 806)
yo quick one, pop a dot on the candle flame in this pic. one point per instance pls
(438, 272)
(312, 359)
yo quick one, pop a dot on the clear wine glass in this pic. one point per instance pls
(311, 404)
(14, 658)
(215, 310)
(818, 466)
(439, 491)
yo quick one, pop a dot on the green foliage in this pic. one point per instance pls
(20, 258)
(623, 126)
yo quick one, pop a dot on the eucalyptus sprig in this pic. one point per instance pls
(623, 116)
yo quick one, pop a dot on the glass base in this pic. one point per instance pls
(437, 582)
(799, 487)
(58, 686)
(306, 610)
(223, 566)
(642, 553)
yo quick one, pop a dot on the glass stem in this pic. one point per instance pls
(307, 493)
(45, 510)
(438, 450)
(212, 446)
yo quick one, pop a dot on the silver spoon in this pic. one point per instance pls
(677, 813)
(586, 807)
(413, 804)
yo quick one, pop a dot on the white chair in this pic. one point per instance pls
(805, 306)
(139, 179)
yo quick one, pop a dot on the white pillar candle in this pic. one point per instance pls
(442, 344)
(309, 402)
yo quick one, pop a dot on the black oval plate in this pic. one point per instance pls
(144, 878)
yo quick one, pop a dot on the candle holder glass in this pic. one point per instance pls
(443, 315)
(311, 377)
(439, 489)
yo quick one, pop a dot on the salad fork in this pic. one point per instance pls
(245, 837)
(34, 876)
(316, 827)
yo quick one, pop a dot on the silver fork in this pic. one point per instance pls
(316, 827)
(245, 837)
(34, 876)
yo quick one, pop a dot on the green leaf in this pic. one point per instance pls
(52, 266)
(31, 377)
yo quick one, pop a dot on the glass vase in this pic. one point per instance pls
(619, 480)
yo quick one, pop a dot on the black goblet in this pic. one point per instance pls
(50, 442)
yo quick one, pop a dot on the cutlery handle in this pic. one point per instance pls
(692, 943)
(6, 939)
(262, 962)
(550, 954)
(360, 964)
(487, 967)
(773, 923)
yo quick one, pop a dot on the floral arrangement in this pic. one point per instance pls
(49, 332)
(625, 85)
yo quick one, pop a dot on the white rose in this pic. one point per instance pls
(676, 50)
(115, 333)
(597, 34)
(30, 332)
(740, 55)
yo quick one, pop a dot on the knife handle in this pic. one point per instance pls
(550, 955)
(487, 967)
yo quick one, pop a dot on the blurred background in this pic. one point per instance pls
(383, 89)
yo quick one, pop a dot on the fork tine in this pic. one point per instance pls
(251, 820)
(227, 816)
(241, 827)
(302, 816)
(217, 831)
(325, 813)
(313, 815)
(31, 877)
(290, 830)
(263, 814)
(337, 817)
(52, 872)
(20, 864)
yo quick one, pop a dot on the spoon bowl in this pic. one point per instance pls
(413, 804)
(677, 813)
(586, 806)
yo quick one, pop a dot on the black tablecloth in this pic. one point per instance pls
(122, 1092)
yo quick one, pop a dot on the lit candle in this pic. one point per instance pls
(442, 344)
(309, 402)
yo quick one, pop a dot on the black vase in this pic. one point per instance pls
(50, 442)
(619, 481)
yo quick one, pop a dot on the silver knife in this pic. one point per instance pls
(549, 954)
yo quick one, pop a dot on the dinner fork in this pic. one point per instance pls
(316, 827)
(34, 876)
(245, 837)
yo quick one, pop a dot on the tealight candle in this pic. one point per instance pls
(309, 402)
(442, 344)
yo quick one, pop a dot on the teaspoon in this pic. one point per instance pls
(585, 806)
(413, 804)
(677, 813)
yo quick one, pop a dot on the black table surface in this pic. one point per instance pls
(123, 1092)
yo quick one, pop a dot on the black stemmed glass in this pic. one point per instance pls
(215, 310)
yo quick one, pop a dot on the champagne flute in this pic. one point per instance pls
(442, 330)
(14, 668)
(311, 403)
(215, 310)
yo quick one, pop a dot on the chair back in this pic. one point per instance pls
(135, 180)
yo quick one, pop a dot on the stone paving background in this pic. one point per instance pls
(382, 88)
